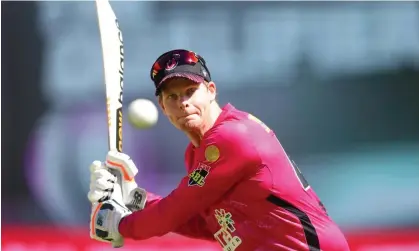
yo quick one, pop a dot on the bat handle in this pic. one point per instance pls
(117, 243)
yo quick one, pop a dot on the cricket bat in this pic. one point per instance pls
(113, 65)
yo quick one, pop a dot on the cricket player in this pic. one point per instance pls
(240, 188)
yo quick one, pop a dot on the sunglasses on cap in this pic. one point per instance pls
(178, 62)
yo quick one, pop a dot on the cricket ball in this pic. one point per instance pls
(142, 113)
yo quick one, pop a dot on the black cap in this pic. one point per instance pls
(179, 63)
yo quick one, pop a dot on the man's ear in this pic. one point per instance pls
(160, 99)
(212, 89)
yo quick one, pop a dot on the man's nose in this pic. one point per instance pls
(184, 102)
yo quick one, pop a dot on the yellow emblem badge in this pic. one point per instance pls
(212, 153)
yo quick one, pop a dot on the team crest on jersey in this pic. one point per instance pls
(198, 175)
(224, 235)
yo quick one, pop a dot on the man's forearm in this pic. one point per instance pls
(195, 228)
(144, 224)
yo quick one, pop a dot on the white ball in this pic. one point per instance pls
(142, 113)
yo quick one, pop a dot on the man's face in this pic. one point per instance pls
(186, 103)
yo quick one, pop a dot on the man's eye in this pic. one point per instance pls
(171, 96)
(190, 91)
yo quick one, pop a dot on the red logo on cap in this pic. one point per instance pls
(171, 64)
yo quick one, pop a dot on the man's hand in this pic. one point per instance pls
(104, 222)
(102, 181)
(133, 196)
(107, 206)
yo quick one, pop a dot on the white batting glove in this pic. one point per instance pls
(104, 222)
(102, 183)
(124, 168)
(120, 169)
(107, 205)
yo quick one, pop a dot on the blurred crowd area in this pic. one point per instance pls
(338, 83)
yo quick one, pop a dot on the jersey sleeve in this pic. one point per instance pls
(151, 199)
(194, 228)
(222, 160)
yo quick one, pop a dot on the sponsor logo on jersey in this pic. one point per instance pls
(212, 153)
(224, 235)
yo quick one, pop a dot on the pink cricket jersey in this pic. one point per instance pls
(242, 191)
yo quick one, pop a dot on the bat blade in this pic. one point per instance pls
(113, 64)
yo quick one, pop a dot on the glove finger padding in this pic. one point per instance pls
(96, 196)
(97, 165)
(102, 190)
(102, 173)
(123, 163)
(102, 184)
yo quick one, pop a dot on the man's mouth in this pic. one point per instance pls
(186, 116)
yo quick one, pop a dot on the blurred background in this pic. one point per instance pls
(337, 82)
